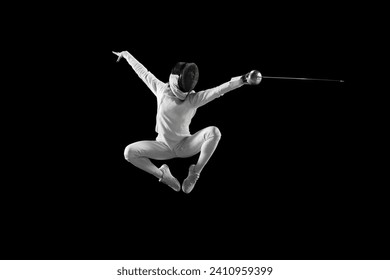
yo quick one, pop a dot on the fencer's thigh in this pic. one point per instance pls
(152, 149)
(192, 145)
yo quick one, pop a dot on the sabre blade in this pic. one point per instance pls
(304, 79)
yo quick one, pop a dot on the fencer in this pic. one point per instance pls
(177, 103)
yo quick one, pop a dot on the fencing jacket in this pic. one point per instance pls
(174, 115)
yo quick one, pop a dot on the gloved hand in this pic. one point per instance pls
(120, 55)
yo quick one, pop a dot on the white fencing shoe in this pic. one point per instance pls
(190, 181)
(168, 179)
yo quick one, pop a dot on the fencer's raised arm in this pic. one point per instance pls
(149, 79)
(203, 97)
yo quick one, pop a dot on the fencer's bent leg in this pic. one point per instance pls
(204, 141)
(140, 153)
(212, 137)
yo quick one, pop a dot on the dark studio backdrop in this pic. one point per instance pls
(276, 187)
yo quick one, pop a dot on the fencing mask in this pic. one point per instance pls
(188, 75)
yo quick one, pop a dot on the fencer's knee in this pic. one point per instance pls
(215, 132)
(130, 153)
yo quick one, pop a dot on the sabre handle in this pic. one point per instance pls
(244, 78)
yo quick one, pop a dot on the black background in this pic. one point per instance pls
(279, 184)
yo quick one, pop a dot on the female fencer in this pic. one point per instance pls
(177, 103)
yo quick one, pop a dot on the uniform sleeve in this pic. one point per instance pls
(154, 84)
(205, 96)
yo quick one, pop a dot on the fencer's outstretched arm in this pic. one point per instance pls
(149, 79)
(203, 97)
